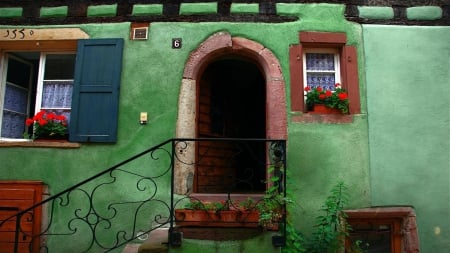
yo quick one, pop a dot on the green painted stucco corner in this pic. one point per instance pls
(376, 12)
(424, 13)
(198, 8)
(147, 9)
(104, 10)
(60, 11)
(242, 8)
(11, 12)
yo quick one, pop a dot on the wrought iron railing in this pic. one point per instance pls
(134, 197)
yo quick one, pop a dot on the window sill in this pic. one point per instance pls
(322, 118)
(38, 144)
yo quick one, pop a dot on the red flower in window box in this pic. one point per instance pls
(48, 125)
(337, 99)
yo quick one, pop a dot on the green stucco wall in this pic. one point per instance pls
(408, 96)
(319, 155)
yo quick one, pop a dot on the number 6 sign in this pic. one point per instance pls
(176, 43)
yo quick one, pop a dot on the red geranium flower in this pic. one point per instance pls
(47, 124)
(29, 122)
(60, 117)
(337, 98)
(51, 116)
(342, 96)
(39, 115)
(42, 122)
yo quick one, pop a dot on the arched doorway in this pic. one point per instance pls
(223, 51)
(231, 104)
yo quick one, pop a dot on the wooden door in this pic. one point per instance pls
(16, 196)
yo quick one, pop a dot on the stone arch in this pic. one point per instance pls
(217, 45)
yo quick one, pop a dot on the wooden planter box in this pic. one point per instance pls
(323, 109)
(205, 218)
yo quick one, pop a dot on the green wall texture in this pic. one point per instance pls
(408, 95)
(394, 153)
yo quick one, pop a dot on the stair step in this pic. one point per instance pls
(157, 242)
(131, 248)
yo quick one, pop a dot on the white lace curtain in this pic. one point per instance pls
(56, 97)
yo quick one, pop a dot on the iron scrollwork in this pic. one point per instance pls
(134, 197)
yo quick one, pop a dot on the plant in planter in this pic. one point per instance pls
(337, 99)
(47, 125)
(272, 207)
(221, 213)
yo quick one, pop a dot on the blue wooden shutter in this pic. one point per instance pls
(95, 100)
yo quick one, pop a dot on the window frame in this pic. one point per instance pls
(404, 235)
(4, 83)
(41, 79)
(32, 46)
(348, 67)
(34, 98)
(337, 65)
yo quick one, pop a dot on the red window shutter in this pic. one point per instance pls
(296, 71)
(350, 74)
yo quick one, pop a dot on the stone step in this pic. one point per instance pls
(157, 242)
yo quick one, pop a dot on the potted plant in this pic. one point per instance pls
(272, 207)
(267, 212)
(319, 100)
(47, 125)
(220, 213)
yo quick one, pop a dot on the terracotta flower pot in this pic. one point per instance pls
(323, 109)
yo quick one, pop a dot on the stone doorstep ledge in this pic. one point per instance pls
(39, 144)
(157, 242)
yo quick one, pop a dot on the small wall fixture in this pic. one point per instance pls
(139, 31)
(143, 118)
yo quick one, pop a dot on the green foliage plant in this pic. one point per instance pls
(271, 208)
(331, 227)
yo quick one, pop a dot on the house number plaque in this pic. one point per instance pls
(176, 43)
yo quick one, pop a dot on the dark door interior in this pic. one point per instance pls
(231, 104)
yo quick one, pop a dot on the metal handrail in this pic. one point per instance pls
(95, 216)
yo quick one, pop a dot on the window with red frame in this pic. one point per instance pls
(323, 59)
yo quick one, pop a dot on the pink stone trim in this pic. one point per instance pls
(221, 44)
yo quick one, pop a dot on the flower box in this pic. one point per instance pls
(323, 109)
(320, 101)
(222, 218)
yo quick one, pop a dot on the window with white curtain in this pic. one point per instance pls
(32, 81)
(321, 68)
